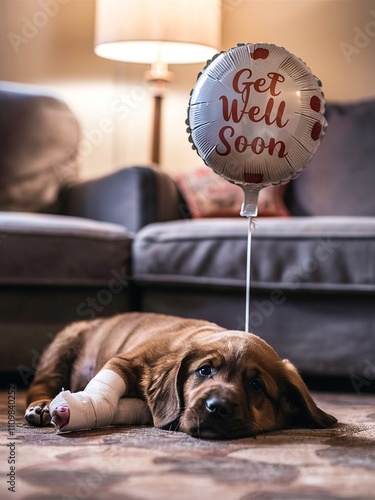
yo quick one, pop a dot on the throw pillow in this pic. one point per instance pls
(209, 195)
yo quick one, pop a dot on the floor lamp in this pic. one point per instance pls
(159, 33)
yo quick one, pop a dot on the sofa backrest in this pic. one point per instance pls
(39, 137)
(340, 178)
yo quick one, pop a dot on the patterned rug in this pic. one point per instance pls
(146, 463)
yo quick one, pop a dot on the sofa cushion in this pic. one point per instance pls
(62, 251)
(131, 197)
(312, 254)
(340, 177)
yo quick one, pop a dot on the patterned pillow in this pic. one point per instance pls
(209, 195)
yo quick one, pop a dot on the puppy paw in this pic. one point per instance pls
(37, 414)
(60, 416)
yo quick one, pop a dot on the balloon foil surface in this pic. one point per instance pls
(256, 115)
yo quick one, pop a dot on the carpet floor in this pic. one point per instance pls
(139, 463)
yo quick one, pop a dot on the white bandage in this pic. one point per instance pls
(132, 411)
(98, 405)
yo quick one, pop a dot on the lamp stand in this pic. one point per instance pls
(156, 130)
(158, 77)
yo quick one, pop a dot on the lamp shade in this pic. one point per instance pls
(165, 31)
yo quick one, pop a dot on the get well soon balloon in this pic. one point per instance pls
(256, 117)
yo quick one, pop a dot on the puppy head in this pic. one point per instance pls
(232, 384)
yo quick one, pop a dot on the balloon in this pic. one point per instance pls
(256, 117)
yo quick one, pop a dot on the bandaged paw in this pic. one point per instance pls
(94, 407)
(98, 405)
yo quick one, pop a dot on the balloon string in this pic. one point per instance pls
(248, 267)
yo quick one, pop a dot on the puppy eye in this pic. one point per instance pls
(256, 385)
(205, 371)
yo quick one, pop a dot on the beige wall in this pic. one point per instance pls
(49, 43)
(335, 38)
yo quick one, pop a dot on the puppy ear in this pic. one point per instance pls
(297, 404)
(165, 395)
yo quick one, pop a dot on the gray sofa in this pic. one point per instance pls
(313, 274)
(65, 245)
(126, 241)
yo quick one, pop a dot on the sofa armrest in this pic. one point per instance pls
(132, 197)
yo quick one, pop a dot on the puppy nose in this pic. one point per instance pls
(219, 407)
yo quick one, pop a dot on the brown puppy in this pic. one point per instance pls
(190, 376)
